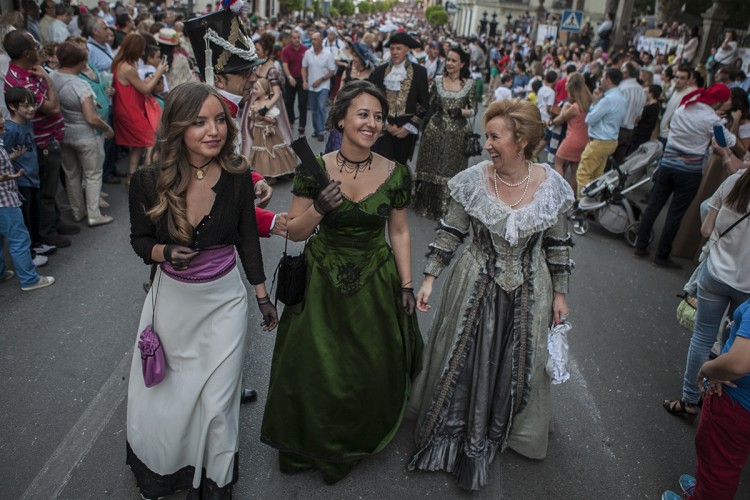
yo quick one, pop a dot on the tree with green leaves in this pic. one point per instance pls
(436, 16)
(347, 8)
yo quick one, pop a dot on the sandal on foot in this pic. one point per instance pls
(680, 407)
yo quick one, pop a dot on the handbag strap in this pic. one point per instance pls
(153, 302)
(733, 225)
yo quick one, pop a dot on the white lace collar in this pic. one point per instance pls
(470, 188)
(397, 75)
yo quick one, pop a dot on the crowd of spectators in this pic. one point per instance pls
(507, 65)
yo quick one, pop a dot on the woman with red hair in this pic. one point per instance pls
(132, 128)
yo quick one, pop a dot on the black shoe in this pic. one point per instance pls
(640, 253)
(121, 174)
(57, 241)
(111, 179)
(666, 263)
(67, 229)
(320, 137)
(248, 396)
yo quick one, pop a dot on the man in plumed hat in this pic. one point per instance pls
(226, 58)
(406, 88)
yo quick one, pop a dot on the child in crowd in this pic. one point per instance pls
(19, 136)
(152, 58)
(13, 229)
(270, 156)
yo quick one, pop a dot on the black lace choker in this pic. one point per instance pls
(353, 167)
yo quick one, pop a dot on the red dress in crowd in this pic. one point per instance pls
(132, 127)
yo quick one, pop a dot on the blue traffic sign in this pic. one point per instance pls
(572, 20)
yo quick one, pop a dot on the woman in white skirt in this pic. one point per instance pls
(193, 214)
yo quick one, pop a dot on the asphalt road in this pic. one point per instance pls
(66, 352)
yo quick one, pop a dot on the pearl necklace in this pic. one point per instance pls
(525, 188)
(525, 179)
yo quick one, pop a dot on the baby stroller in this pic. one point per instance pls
(605, 199)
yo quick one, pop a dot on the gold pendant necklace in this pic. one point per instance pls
(199, 173)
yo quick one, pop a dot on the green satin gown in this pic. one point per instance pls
(345, 356)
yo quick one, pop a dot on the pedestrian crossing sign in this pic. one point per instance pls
(572, 20)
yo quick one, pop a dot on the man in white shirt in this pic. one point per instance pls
(58, 28)
(683, 85)
(636, 99)
(503, 91)
(318, 67)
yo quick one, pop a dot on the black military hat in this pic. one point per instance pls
(221, 37)
(403, 39)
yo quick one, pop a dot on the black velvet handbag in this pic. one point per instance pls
(292, 275)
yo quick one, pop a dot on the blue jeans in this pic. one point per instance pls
(713, 299)
(14, 230)
(319, 107)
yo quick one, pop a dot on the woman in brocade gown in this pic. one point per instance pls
(188, 214)
(441, 152)
(345, 356)
(484, 387)
(269, 71)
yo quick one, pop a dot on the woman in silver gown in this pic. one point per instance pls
(483, 386)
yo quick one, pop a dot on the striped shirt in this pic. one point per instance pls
(9, 197)
(636, 97)
(47, 128)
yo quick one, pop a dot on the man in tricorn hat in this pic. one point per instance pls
(226, 57)
(405, 86)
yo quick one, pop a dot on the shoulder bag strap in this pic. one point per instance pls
(735, 223)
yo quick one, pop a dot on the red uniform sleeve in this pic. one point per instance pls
(256, 177)
(265, 219)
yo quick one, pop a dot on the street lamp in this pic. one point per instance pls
(483, 24)
(493, 25)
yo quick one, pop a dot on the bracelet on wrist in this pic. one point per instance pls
(263, 300)
(407, 284)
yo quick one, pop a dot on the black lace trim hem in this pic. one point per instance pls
(153, 485)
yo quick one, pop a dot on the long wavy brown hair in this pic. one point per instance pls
(180, 111)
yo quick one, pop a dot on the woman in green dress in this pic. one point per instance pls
(345, 356)
(441, 152)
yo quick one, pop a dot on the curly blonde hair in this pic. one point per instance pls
(180, 111)
(523, 119)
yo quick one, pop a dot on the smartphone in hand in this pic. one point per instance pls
(719, 136)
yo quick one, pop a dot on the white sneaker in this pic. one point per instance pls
(8, 274)
(44, 249)
(40, 260)
(44, 281)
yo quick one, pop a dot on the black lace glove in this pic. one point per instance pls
(262, 111)
(408, 300)
(329, 198)
(179, 256)
(268, 310)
